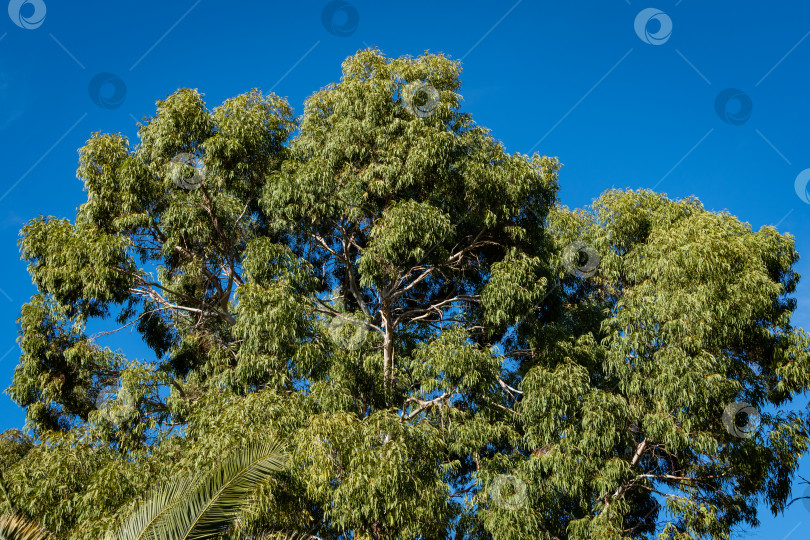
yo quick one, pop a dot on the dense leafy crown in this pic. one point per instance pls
(380, 286)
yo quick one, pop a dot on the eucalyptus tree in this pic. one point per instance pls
(445, 350)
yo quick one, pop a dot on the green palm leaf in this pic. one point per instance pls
(144, 523)
(202, 507)
(13, 527)
(285, 535)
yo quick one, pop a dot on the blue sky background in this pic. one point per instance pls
(570, 79)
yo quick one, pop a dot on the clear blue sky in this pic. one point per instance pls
(570, 79)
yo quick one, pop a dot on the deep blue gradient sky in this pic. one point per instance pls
(570, 79)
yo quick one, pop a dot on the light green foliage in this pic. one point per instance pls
(66, 484)
(388, 292)
(695, 312)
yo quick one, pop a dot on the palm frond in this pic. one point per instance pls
(14, 527)
(144, 522)
(202, 507)
(285, 535)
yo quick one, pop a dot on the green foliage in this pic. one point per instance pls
(386, 290)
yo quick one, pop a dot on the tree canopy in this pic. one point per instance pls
(442, 348)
